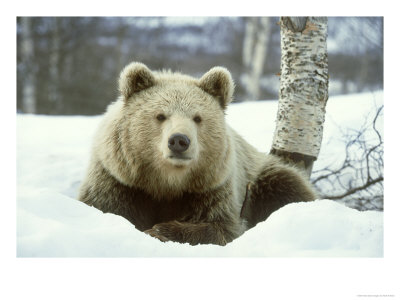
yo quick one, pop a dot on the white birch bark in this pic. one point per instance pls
(303, 87)
(27, 53)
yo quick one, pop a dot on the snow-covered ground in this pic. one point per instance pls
(53, 152)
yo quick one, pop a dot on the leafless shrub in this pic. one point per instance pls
(358, 181)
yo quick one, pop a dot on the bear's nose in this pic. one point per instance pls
(178, 142)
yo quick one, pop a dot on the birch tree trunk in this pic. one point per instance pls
(303, 90)
(255, 46)
(27, 53)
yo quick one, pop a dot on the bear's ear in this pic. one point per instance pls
(219, 83)
(135, 77)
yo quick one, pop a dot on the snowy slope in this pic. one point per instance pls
(52, 154)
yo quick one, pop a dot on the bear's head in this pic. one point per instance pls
(173, 132)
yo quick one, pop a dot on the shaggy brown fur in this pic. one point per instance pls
(195, 196)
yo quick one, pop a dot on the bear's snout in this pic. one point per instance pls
(178, 143)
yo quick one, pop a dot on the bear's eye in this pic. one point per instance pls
(197, 119)
(161, 117)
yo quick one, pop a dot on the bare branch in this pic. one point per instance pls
(355, 190)
(358, 180)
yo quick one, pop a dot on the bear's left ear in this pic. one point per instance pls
(134, 78)
(219, 83)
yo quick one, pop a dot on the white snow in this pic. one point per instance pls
(52, 155)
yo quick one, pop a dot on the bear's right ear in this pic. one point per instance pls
(134, 78)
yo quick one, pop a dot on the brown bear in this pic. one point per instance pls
(165, 159)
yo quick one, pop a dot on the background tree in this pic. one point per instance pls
(27, 67)
(303, 90)
(54, 65)
(255, 49)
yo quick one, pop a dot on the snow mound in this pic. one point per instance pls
(54, 225)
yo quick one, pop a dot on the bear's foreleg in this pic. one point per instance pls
(104, 192)
(192, 233)
(276, 185)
